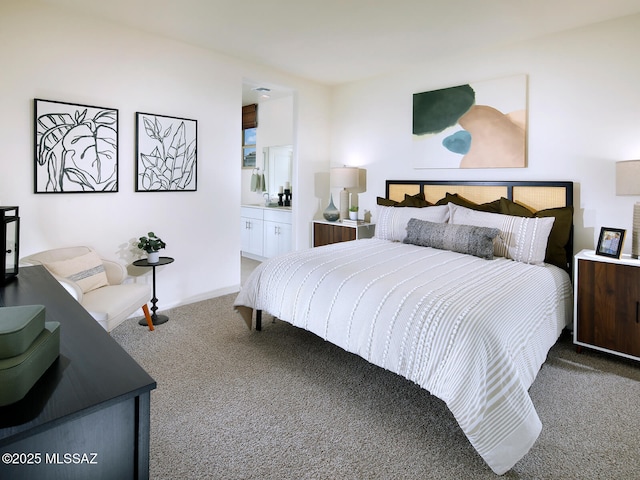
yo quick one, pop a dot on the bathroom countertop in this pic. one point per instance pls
(261, 205)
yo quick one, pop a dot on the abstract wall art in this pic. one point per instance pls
(166, 153)
(76, 148)
(477, 125)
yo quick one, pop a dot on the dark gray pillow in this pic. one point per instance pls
(467, 239)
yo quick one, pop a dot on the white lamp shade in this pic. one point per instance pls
(628, 177)
(344, 177)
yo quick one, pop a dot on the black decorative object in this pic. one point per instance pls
(166, 153)
(155, 318)
(76, 148)
(10, 243)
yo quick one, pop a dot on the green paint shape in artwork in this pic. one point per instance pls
(438, 110)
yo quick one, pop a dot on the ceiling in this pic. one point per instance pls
(338, 41)
(258, 92)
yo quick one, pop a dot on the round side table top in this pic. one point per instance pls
(143, 262)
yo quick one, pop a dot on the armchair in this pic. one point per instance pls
(96, 283)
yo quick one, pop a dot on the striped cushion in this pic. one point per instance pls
(520, 239)
(391, 222)
(86, 270)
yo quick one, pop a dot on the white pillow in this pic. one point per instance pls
(391, 222)
(86, 270)
(522, 239)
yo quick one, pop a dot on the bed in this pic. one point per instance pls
(463, 290)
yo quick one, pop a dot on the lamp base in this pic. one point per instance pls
(635, 235)
(344, 203)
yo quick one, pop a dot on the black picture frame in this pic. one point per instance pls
(166, 153)
(75, 148)
(610, 242)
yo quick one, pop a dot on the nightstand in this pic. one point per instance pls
(325, 232)
(606, 314)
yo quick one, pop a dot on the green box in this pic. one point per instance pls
(18, 374)
(19, 327)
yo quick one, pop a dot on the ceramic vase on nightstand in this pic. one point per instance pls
(331, 213)
(153, 257)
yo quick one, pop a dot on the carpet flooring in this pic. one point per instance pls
(284, 404)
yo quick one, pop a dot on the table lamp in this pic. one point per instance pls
(628, 183)
(344, 177)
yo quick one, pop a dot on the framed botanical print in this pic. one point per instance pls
(76, 148)
(166, 153)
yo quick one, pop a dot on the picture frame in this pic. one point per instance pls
(166, 153)
(75, 148)
(480, 124)
(610, 242)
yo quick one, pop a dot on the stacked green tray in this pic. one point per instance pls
(28, 347)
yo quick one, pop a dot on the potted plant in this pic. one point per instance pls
(353, 212)
(151, 244)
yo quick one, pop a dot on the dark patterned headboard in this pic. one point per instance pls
(534, 195)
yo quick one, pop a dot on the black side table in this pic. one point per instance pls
(155, 318)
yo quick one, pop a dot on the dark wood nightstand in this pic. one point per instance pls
(607, 304)
(325, 233)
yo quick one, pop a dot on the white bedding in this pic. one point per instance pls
(473, 332)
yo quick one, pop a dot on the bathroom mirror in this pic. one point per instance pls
(277, 167)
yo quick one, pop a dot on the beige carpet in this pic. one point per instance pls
(284, 404)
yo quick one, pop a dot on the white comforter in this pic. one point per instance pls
(472, 332)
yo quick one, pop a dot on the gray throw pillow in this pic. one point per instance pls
(467, 239)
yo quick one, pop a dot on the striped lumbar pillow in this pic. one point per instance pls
(521, 239)
(86, 270)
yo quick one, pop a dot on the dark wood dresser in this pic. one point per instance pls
(88, 415)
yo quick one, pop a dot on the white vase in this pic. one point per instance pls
(153, 257)
(353, 215)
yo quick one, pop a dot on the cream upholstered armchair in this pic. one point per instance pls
(96, 283)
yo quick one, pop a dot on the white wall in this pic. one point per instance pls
(584, 115)
(57, 55)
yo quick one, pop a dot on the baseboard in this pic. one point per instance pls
(197, 298)
(253, 256)
(204, 296)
